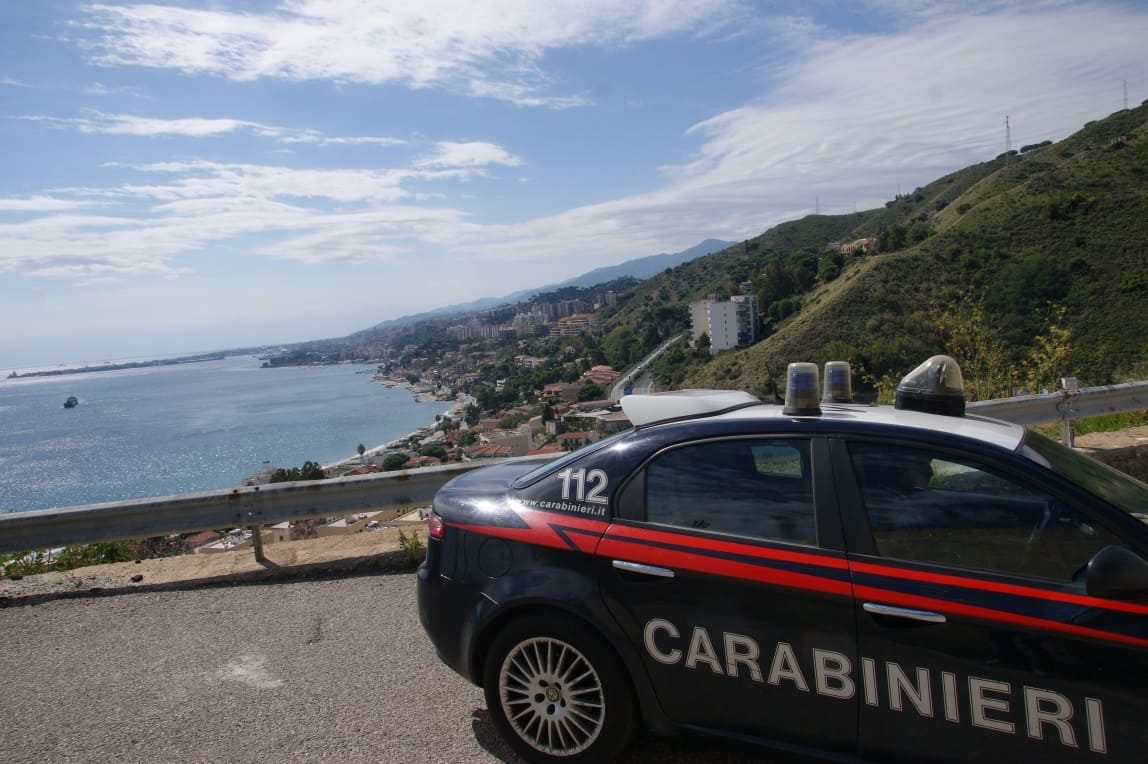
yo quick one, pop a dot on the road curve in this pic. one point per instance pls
(318, 670)
(642, 368)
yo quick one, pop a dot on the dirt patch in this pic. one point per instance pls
(1126, 450)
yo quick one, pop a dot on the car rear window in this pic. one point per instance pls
(1109, 484)
(540, 472)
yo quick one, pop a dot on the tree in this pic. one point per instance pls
(829, 267)
(362, 450)
(620, 347)
(434, 450)
(309, 471)
(591, 391)
(394, 462)
(827, 270)
(1048, 360)
(968, 333)
(892, 238)
(774, 284)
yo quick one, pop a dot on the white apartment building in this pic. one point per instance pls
(728, 323)
(747, 331)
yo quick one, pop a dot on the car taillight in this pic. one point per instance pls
(436, 528)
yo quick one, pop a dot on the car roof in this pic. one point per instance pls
(738, 406)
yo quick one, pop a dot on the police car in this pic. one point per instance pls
(882, 583)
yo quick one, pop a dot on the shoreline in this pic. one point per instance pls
(457, 405)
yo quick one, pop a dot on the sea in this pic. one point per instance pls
(164, 430)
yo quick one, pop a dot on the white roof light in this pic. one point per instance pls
(658, 407)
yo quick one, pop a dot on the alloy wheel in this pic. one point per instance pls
(552, 696)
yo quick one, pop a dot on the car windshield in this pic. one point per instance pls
(1109, 484)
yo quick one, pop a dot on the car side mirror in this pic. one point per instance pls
(1117, 573)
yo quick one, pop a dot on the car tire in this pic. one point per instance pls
(557, 692)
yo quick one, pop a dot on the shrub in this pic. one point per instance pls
(413, 546)
(394, 461)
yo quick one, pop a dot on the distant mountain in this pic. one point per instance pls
(640, 268)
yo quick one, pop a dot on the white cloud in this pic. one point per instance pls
(491, 49)
(41, 204)
(308, 215)
(845, 122)
(851, 119)
(449, 154)
(203, 180)
(201, 127)
(925, 101)
(100, 89)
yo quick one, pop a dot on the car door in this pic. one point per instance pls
(742, 618)
(977, 641)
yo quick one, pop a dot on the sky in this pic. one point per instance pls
(207, 174)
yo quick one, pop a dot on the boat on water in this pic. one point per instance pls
(72, 402)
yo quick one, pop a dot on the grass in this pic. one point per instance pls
(1101, 423)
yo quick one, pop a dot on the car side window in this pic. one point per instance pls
(757, 488)
(936, 508)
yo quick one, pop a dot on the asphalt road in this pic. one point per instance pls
(322, 670)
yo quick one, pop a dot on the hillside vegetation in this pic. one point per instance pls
(1025, 268)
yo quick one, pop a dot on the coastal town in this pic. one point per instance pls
(519, 380)
(527, 378)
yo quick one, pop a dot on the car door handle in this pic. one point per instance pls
(902, 612)
(647, 570)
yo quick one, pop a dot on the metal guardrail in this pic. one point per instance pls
(233, 508)
(1065, 405)
(275, 503)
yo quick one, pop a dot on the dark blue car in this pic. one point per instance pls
(869, 582)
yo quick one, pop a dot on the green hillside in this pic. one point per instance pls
(1025, 268)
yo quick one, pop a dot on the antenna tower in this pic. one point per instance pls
(1007, 141)
(1126, 94)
